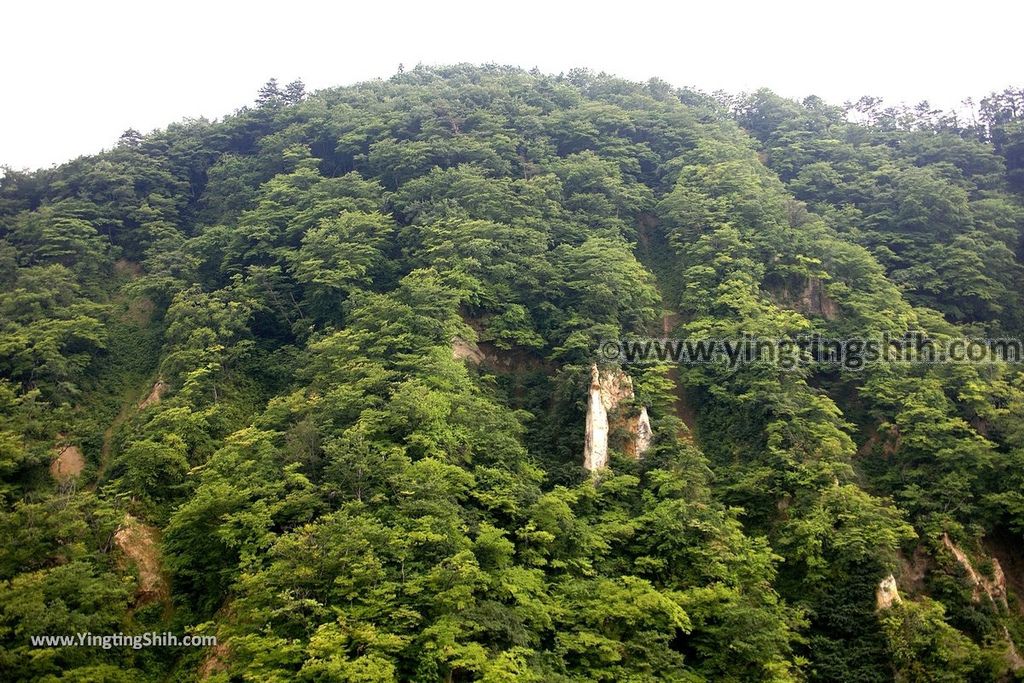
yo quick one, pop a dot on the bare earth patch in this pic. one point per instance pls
(68, 464)
(141, 546)
(126, 268)
(140, 311)
(215, 661)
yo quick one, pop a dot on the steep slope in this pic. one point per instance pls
(376, 314)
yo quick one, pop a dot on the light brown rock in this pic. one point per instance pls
(141, 547)
(155, 395)
(887, 594)
(994, 588)
(608, 390)
(68, 464)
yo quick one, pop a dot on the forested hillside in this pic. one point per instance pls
(318, 379)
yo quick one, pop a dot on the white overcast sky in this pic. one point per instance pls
(77, 74)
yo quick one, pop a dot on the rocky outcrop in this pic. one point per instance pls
(814, 300)
(887, 594)
(644, 432)
(463, 349)
(156, 394)
(808, 297)
(994, 587)
(595, 444)
(140, 546)
(498, 359)
(609, 389)
(217, 659)
(913, 569)
(1013, 656)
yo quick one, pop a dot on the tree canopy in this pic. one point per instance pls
(331, 354)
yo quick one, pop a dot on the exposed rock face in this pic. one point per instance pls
(816, 301)
(644, 433)
(215, 661)
(217, 657)
(68, 464)
(887, 593)
(608, 389)
(467, 350)
(159, 389)
(141, 548)
(914, 569)
(994, 588)
(809, 298)
(1013, 657)
(595, 445)
(497, 359)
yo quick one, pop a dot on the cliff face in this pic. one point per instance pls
(887, 594)
(808, 297)
(595, 444)
(605, 416)
(155, 395)
(994, 587)
(496, 359)
(644, 432)
(466, 350)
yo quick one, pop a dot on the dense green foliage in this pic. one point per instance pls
(337, 496)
